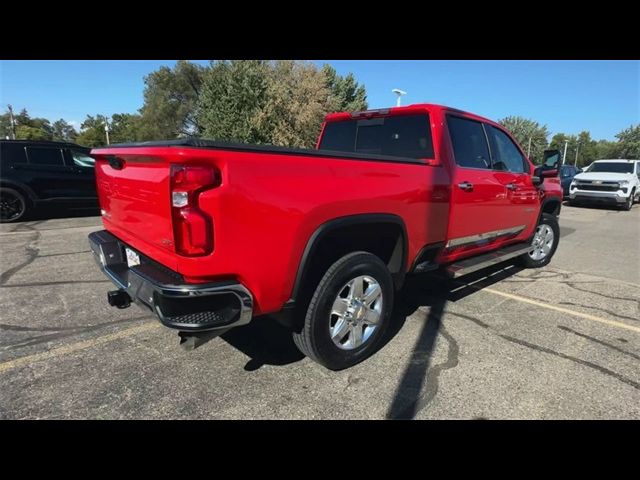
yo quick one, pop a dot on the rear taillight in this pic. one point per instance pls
(192, 228)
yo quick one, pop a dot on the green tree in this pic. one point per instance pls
(525, 131)
(27, 132)
(92, 132)
(346, 94)
(558, 141)
(277, 102)
(124, 128)
(170, 98)
(606, 149)
(5, 126)
(27, 128)
(629, 142)
(296, 104)
(233, 95)
(587, 149)
(63, 131)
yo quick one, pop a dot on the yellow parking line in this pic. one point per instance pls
(612, 323)
(92, 342)
(74, 347)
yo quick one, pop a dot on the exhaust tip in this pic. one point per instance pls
(118, 298)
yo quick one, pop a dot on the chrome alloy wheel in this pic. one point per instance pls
(542, 242)
(356, 312)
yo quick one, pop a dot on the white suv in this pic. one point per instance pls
(615, 182)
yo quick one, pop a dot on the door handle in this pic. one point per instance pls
(466, 186)
(511, 186)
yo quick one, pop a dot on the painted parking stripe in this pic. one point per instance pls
(74, 347)
(67, 349)
(586, 316)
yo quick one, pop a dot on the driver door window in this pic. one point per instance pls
(506, 156)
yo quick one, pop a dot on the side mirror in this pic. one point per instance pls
(537, 177)
(541, 172)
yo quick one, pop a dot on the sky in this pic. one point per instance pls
(567, 96)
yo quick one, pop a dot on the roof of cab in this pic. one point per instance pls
(44, 143)
(413, 108)
(617, 160)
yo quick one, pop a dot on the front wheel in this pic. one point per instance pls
(629, 203)
(348, 313)
(13, 205)
(544, 243)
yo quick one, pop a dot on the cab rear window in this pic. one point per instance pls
(398, 136)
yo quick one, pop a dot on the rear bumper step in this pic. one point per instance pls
(186, 307)
(473, 264)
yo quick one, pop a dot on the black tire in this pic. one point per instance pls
(13, 205)
(526, 260)
(629, 203)
(314, 338)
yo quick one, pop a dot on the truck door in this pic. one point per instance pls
(512, 170)
(480, 207)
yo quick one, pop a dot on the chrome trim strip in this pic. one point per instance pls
(485, 236)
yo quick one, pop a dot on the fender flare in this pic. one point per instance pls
(324, 229)
(20, 186)
(547, 201)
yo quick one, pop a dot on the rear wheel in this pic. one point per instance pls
(544, 243)
(348, 313)
(13, 205)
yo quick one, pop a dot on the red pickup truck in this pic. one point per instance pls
(209, 235)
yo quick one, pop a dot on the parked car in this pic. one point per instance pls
(208, 235)
(38, 173)
(612, 182)
(567, 172)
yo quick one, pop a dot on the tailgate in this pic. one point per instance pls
(134, 193)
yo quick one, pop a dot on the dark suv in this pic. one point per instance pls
(38, 173)
(567, 172)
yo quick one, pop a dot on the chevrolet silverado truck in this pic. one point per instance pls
(612, 182)
(209, 235)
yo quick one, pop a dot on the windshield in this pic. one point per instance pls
(613, 167)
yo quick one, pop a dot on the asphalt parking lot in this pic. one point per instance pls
(562, 342)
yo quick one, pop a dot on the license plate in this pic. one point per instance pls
(133, 258)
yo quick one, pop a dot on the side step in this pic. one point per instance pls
(473, 264)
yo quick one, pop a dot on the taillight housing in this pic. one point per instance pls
(192, 228)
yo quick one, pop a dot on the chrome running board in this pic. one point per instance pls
(473, 264)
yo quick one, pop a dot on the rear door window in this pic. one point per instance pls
(398, 136)
(45, 156)
(13, 153)
(469, 141)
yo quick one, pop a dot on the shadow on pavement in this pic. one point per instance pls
(265, 341)
(433, 291)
